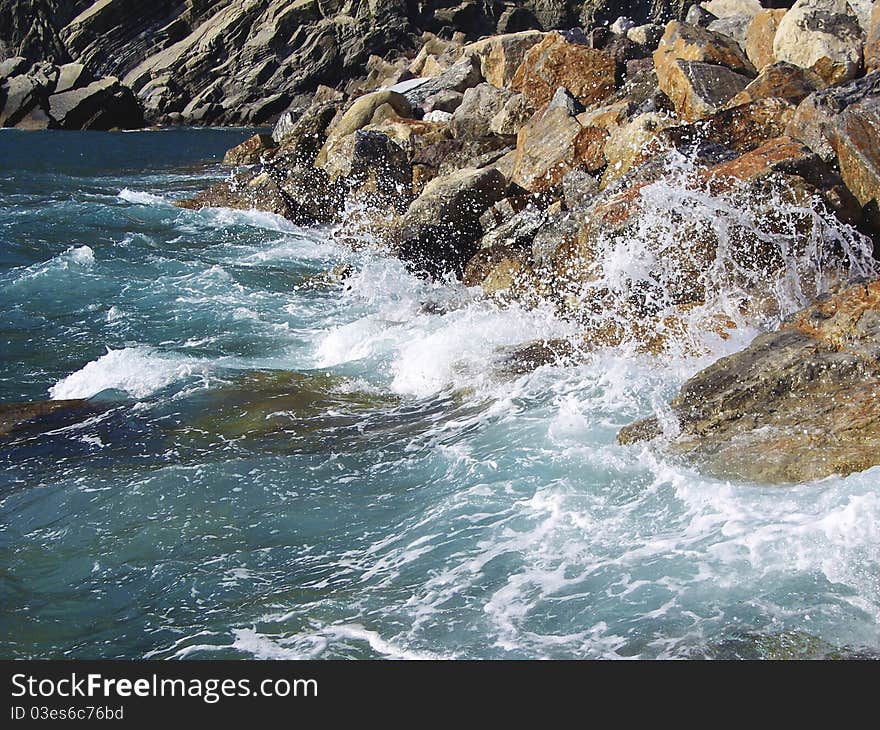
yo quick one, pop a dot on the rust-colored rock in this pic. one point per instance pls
(500, 56)
(857, 143)
(554, 142)
(251, 151)
(562, 60)
(741, 128)
(781, 80)
(872, 42)
(759, 37)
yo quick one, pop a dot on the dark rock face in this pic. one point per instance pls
(798, 404)
(231, 62)
(46, 96)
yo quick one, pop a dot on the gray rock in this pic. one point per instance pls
(462, 75)
(479, 106)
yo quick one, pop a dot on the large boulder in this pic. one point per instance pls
(565, 59)
(685, 42)
(478, 107)
(251, 151)
(872, 41)
(359, 115)
(798, 404)
(103, 104)
(822, 35)
(816, 120)
(500, 56)
(440, 229)
(560, 138)
(698, 89)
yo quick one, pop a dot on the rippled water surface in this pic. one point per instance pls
(272, 465)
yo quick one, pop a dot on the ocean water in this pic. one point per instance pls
(278, 466)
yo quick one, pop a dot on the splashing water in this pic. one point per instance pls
(290, 468)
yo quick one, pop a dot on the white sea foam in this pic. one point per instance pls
(139, 371)
(142, 198)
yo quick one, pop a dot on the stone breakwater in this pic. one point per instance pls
(656, 184)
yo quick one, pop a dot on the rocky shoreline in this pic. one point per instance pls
(656, 183)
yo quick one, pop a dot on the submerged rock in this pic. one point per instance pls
(798, 404)
(42, 415)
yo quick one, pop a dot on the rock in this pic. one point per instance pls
(759, 37)
(372, 167)
(14, 66)
(554, 141)
(301, 139)
(633, 143)
(461, 76)
(43, 415)
(742, 128)
(101, 105)
(500, 56)
(511, 117)
(516, 231)
(734, 26)
(500, 271)
(359, 115)
(822, 35)
(685, 42)
(251, 151)
(698, 89)
(71, 76)
(254, 190)
(440, 229)
(647, 35)
(438, 116)
(621, 25)
(796, 405)
(872, 40)
(514, 20)
(526, 358)
(564, 59)
(20, 95)
(697, 15)
(446, 100)
(781, 80)
(816, 117)
(479, 105)
(856, 140)
(732, 8)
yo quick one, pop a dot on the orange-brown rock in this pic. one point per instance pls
(555, 141)
(741, 128)
(782, 80)
(759, 37)
(872, 42)
(698, 89)
(857, 143)
(798, 404)
(500, 271)
(560, 59)
(501, 55)
(685, 42)
(817, 116)
(250, 151)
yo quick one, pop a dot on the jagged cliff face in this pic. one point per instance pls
(244, 61)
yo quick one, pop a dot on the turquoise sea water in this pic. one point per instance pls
(276, 466)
